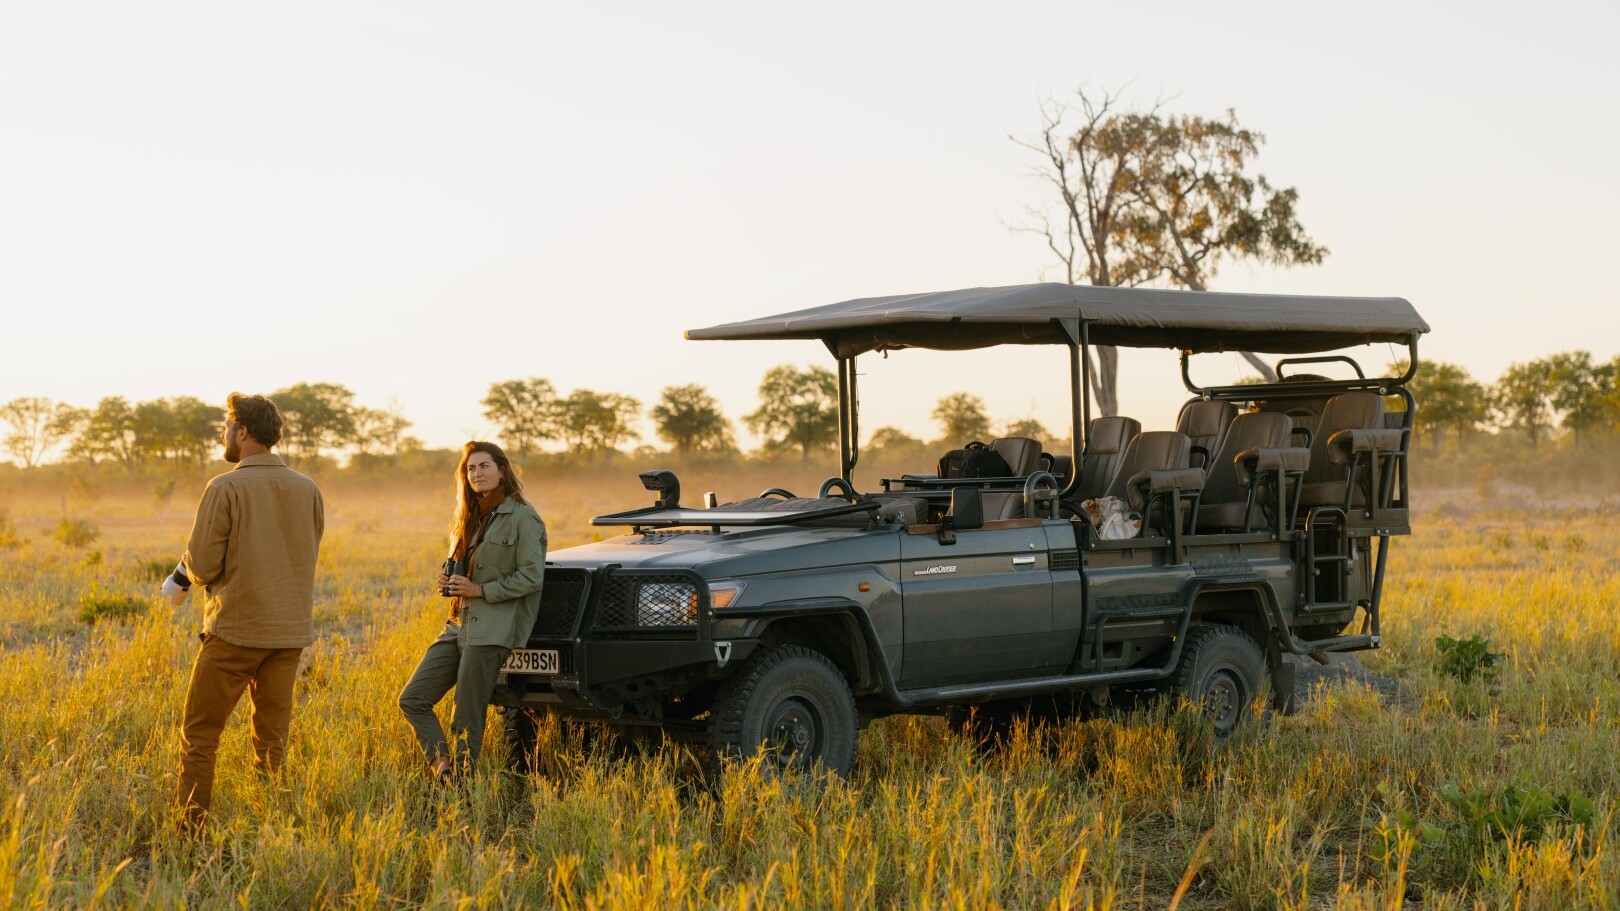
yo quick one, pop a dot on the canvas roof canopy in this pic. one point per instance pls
(1198, 321)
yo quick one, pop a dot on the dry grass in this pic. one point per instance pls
(1340, 806)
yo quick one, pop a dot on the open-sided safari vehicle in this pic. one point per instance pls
(1264, 515)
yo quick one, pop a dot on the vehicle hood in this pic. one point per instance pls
(738, 553)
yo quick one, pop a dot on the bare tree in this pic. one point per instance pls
(1090, 157)
(37, 424)
(1146, 195)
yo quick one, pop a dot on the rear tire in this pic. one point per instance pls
(790, 702)
(1222, 671)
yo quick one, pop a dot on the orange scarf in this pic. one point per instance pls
(472, 535)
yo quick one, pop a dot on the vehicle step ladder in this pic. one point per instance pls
(1336, 522)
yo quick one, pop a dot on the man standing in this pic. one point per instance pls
(252, 550)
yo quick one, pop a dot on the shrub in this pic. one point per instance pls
(155, 568)
(1451, 846)
(9, 539)
(1521, 812)
(108, 604)
(93, 558)
(1468, 658)
(71, 532)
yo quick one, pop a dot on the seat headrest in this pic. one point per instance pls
(1361, 410)
(1111, 434)
(1205, 419)
(1256, 430)
(1158, 450)
(1023, 455)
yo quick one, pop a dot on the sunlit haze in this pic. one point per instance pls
(417, 200)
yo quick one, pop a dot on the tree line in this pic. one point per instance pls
(1570, 392)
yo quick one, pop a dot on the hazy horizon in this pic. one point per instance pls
(420, 201)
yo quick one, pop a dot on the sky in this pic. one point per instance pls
(416, 200)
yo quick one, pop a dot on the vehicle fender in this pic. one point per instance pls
(1240, 604)
(836, 627)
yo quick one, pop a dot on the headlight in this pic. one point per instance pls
(726, 593)
(666, 604)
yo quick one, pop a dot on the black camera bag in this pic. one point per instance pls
(974, 463)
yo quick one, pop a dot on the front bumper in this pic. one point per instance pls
(623, 639)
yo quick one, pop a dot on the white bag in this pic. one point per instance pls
(1113, 518)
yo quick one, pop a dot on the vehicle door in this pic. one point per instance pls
(979, 609)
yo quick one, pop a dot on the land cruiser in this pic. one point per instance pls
(1188, 560)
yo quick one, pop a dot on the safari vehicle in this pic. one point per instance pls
(786, 621)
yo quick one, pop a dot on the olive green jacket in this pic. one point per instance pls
(510, 564)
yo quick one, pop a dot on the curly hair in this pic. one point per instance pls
(258, 414)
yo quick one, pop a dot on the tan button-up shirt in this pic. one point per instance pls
(253, 549)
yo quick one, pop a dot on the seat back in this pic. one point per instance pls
(1205, 423)
(1022, 454)
(1003, 504)
(1345, 411)
(1324, 482)
(1154, 450)
(1062, 468)
(1224, 499)
(1105, 446)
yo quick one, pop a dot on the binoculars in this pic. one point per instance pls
(452, 568)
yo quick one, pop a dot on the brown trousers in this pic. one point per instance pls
(219, 676)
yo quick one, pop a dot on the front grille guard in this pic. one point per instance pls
(666, 604)
(642, 601)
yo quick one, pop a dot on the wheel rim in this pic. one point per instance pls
(794, 731)
(1224, 700)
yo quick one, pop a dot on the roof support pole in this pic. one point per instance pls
(849, 447)
(854, 424)
(1075, 333)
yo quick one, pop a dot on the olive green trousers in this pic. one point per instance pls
(471, 670)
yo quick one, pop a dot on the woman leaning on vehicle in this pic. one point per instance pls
(493, 577)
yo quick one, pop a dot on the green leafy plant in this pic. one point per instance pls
(1466, 659)
(75, 533)
(108, 604)
(1450, 846)
(93, 558)
(1520, 811)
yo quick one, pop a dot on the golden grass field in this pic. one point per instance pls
(1358, 801)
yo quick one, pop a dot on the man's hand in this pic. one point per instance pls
(462, 586)
(176, 585)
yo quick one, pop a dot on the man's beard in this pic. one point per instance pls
(233, 452)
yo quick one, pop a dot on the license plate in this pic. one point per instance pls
(531, 661)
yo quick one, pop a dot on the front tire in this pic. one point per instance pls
(1222, 671)
(793, 704)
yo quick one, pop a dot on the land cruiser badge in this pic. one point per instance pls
(939, 570)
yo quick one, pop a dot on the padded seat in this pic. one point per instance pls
(1105, 447)
(1205, 424)
(1226, 497)
(1022, 454)
(1153, 450)
(1329, 475)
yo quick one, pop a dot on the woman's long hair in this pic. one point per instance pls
(467, 498)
